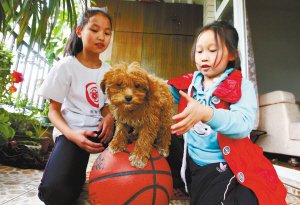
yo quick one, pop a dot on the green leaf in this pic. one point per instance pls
(6, 131)
(33, 30)
(37, 15)
(24, 23)
(54, 6)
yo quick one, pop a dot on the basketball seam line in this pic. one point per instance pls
(130, 173)
(145, 189)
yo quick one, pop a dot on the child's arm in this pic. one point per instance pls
(191, 115)
(106, 125)
(79, 137)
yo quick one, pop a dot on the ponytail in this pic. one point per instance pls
(74, 44)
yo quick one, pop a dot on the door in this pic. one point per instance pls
(234, 11)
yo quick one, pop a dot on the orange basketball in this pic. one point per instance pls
(113, 181)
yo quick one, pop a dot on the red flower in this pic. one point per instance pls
(12, 89)
(17, 77)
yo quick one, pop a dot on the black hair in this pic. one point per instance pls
(228, 35)
(74, 43)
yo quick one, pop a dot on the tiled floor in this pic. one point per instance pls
(19, 187)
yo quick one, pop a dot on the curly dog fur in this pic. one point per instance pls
(142, 106)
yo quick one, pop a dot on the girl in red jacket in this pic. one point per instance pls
(216, 116)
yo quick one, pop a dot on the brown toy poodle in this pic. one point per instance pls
(142, 106)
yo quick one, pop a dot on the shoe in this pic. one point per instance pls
(180, 194)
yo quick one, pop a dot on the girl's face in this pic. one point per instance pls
(211, 58)
(96, 34)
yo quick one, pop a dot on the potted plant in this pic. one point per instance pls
(25, 148)
(19, 130)
(29, 123)
(27, 128)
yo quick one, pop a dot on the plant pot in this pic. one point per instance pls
(21, 156)
(45, 142)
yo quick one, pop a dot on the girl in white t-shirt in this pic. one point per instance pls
(78, 110)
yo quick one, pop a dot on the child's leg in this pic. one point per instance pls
(239, 194)
(65, 173)
(175, 160)
(213, 185)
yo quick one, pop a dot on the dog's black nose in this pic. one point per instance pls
(128, 98)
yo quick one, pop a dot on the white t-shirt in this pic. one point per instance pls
(78, 89)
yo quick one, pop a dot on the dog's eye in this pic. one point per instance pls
(137, 85)
(119, 84)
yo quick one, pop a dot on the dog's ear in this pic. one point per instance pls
(151, 84)
(103, 83)
(152, 88)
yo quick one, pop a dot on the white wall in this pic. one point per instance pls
(209, 10)
(275, 27)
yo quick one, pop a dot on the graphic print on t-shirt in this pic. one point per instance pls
(91, 93)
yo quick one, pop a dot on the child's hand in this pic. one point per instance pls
(79, 137)
(107, 128)
(191, 115)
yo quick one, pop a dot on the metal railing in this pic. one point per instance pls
(34, 67)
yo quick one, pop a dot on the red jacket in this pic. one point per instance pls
(245, 159)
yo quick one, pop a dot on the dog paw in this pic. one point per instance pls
(163, 152)
(139, 162)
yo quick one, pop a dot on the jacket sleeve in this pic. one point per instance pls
(180, 83)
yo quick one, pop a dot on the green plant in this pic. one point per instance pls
(43, 115)
(24, 106)
(22, 128)
(25, 125)
(40, 15)
(45, 109)
(5, 75)
(58, 40)
(6, 131)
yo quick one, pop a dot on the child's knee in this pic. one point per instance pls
(58, 194)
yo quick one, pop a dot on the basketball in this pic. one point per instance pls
(113, 181)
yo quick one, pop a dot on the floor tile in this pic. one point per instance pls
(20, 187)
(292, 200)
(28, 198)
(11, 192)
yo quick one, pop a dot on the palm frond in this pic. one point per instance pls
(37, 18)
